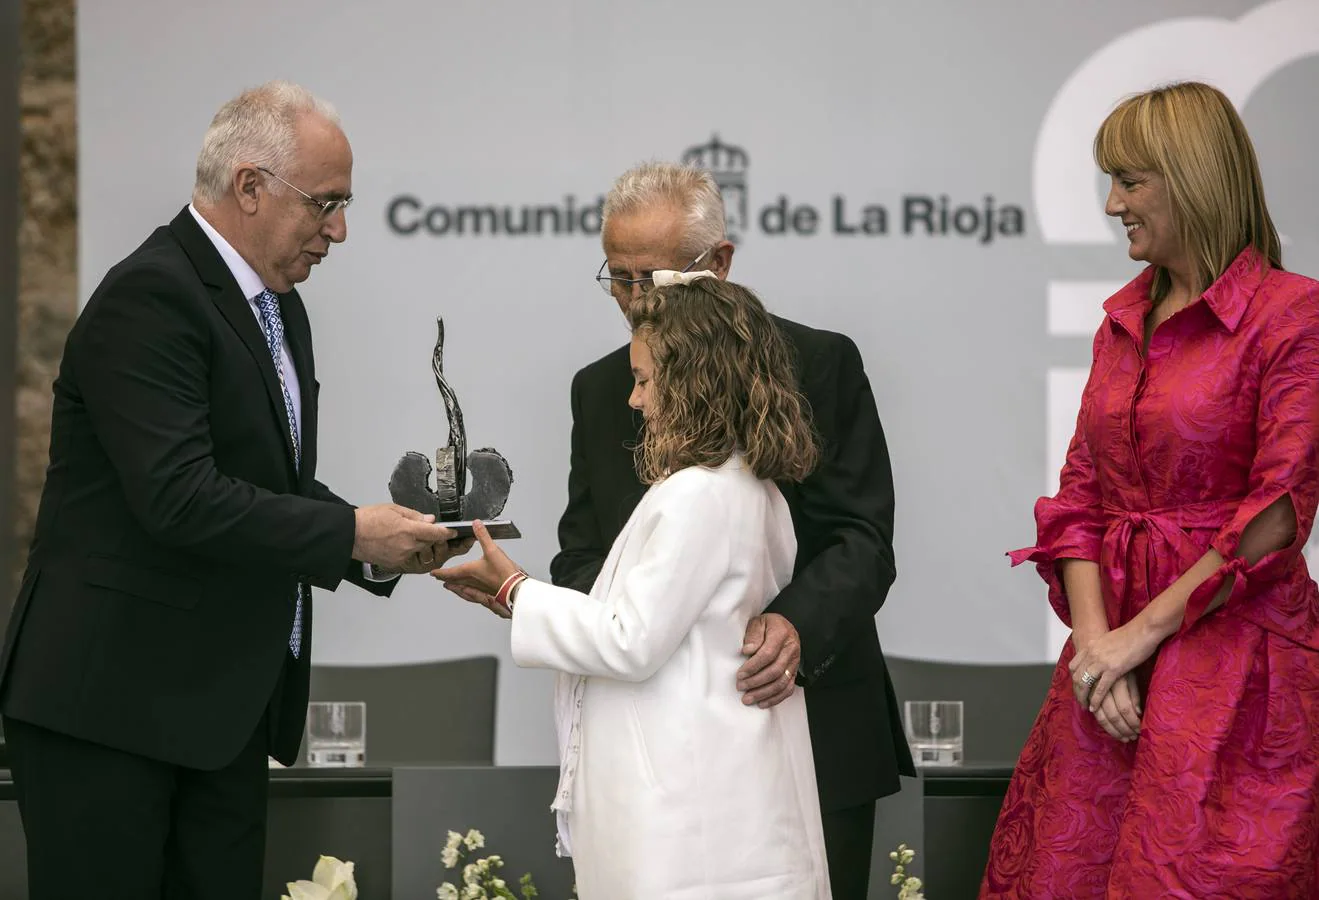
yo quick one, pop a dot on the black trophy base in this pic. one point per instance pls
(500, 529)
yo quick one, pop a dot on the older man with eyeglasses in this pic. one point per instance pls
(820, 632)
(159, 649)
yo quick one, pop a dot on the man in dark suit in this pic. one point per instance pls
(159, 647)
(820, 632)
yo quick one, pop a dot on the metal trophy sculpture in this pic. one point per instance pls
(452, 504)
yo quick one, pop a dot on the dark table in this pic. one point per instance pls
(347, 813)
(338, 812)
(961, 805)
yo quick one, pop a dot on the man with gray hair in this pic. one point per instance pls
(159, 649)
(820, 631)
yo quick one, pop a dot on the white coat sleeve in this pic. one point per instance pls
(684, 558)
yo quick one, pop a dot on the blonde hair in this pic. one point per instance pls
(1191, 135)
(724, 381)
(259, 126)
(687, 188)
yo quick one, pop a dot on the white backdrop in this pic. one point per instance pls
(974, 342)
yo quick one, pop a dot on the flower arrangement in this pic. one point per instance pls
(481, 880)
(909, 886)
(332, 879)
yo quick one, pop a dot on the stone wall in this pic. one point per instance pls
(48, 239)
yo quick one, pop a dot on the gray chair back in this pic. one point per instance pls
(433, 713)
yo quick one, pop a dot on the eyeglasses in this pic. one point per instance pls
(326, 208)
(622, 287)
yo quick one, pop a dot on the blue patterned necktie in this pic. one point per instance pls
(268, 305)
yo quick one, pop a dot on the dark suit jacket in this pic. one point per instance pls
(155, 612)
(843, 516)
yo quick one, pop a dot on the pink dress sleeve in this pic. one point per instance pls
(1286, 463)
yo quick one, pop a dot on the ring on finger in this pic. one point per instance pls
(1088, 680)
(787, 673)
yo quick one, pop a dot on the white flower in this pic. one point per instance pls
(471, 874)
(474, 839)
(454, 840)
(447, 892)
(473, 892)
(306, 890)
(449, 856)
(337, 876)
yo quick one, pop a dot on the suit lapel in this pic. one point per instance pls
(619, 428)
(236, 310)
(297, 331)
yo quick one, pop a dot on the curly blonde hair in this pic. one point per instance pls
(724, 381)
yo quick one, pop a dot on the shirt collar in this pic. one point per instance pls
(1231, 293)
(1227, 298)
(249, 282)
(1130, 304)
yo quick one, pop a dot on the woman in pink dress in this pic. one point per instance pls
(1177, 753)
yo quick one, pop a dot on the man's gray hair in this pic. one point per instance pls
(259, 126)
(688, 188)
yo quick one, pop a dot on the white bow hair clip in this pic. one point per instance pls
(664, 277)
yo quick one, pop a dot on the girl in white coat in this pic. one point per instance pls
(670, 787)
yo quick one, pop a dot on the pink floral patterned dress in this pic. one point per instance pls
(1174, 454)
